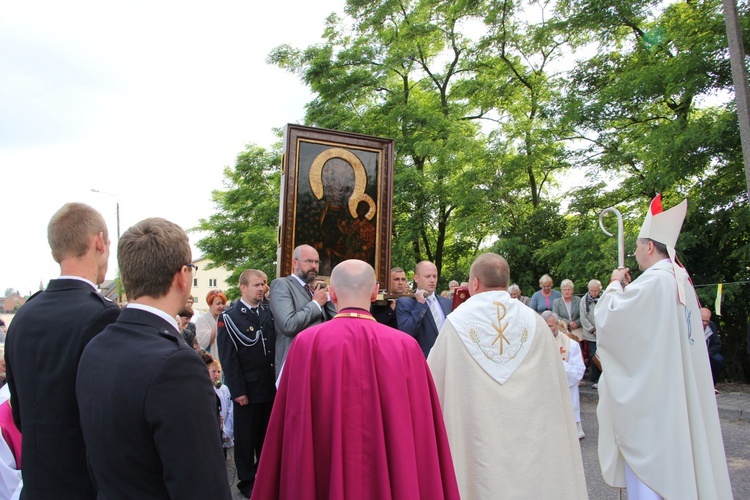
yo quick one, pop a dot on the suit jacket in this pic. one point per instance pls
(384, 315)
(558, 307)
(416, 319)
(148, 413)
(713, 343)
(44, 346)
(293, 311)
(246, 350)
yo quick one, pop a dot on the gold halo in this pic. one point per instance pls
(360, 179)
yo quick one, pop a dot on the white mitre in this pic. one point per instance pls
(665, 227)
(661, 226)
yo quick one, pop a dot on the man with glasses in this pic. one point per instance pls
(148, 407)
(297, 301)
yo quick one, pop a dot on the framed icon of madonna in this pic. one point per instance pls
(336, 196)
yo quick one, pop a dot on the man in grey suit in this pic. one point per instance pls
(297, 301)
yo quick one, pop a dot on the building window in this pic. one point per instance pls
(195, 300)
(211, 281)
(195, 281)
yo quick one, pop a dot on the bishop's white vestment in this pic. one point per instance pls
(657, 409)
(506, 403)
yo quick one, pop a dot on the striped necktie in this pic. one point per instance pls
(437, 312)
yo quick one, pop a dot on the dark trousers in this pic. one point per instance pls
(594, 373)
(250, 423)
(717, 365)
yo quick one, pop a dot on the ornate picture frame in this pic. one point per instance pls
(337, 196)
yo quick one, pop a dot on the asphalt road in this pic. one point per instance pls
(736, 442)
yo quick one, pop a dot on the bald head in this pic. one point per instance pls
(426, 276)
(353, 285)
(489, 272)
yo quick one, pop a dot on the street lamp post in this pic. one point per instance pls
(117, 204)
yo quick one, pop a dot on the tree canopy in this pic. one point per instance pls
(515, 125)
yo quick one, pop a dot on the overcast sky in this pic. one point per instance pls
(145, 100)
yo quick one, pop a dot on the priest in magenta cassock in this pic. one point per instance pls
(505, 396)
(659, 430)
(356, 415)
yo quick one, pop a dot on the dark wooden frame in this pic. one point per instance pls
(297, 184)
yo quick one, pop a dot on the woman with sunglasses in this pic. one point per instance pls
(205, 325)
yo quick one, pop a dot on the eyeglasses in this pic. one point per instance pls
(192, 266)
(310, 261)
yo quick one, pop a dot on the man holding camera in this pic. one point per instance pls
(298, 301)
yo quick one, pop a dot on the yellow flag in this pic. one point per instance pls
(717, 306)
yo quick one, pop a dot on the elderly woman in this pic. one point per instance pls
(568, 308)
(515, 293)
(588, 305)
(205, 325)
(542, 300)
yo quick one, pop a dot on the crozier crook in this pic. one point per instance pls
(620, 235)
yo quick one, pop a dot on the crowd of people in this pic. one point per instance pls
(334, 390)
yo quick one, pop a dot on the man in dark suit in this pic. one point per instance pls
(148, 408)
(713, 344)
(423, 316)
(386, 313)
(297, 301)
(246, 338)
(44, 345)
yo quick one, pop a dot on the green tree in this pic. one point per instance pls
(241, 234)
(488, 120)
(639, 109)
(414, 71)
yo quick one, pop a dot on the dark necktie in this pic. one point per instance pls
(308, 290)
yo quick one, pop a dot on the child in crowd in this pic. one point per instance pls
(227, 419)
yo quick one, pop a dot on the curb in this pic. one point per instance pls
(731, 405)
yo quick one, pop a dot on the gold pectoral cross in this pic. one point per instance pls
(500, 328)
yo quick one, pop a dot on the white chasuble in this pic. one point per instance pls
(497, 331)
(507, 411)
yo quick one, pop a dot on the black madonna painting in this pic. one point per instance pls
(337, 197)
